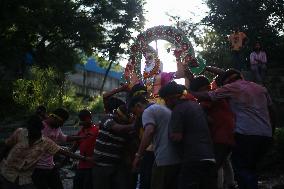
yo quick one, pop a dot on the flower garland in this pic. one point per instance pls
(184, 52)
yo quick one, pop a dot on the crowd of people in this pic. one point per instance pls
(190, 141)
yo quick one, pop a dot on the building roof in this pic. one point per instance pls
(92, 66)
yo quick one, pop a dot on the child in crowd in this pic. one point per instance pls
(83, 177)
(46, 175)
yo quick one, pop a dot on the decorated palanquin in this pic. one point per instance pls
(152, 76)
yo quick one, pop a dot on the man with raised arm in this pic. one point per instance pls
(254, 123)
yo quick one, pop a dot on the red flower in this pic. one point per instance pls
(185, 46)
(178, 38)
(193, 63)
(177, 53)
(144, 47)
(134, 48)
(141, 38)
(170, 32)
(188, 58)
(159, 31)
(149, 34)
(132, 61)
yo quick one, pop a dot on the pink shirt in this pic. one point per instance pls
(249, 102)
(55, 134)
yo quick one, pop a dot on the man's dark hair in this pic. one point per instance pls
(121, 115)
(218, 80)
(229, 73)
(257, 42)
(113, 103)
(135, 100)
(198, 82)
(138, 88)
(41, 109)
(236, 28)
(172, 88)
(83, 114)
(62, 113)
(34, 124)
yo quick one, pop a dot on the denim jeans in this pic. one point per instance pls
(237, 60)
(145, 170)
(259, 72)
(247, 153)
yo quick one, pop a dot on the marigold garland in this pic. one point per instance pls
(183, 52)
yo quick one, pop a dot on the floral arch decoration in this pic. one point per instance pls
(184, 51)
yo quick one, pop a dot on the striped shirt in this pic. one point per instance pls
(109, 145)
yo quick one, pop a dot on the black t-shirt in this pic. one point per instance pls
(189, 119)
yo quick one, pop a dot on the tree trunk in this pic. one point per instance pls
(84, 82)
(105, 77)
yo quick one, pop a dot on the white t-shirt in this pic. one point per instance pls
(159, 116)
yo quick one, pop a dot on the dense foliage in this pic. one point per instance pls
(56, 32)
(44, 87)
(59, 34)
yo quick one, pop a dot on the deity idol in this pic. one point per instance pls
(153, 76)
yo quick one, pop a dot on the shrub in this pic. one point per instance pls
(96, 105)
(279, 140)
(46, 87)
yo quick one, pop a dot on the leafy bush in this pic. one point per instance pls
(72, 103)
(96, 105)
(45, 87)
(279, 140)
(8, 106)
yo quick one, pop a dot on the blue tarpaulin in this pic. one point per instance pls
(93, 66)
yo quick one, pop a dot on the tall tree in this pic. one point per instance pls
(55, 32)
(58, 33)
(126, 14)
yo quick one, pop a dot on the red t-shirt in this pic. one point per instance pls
(221, 121)
(87, 145)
